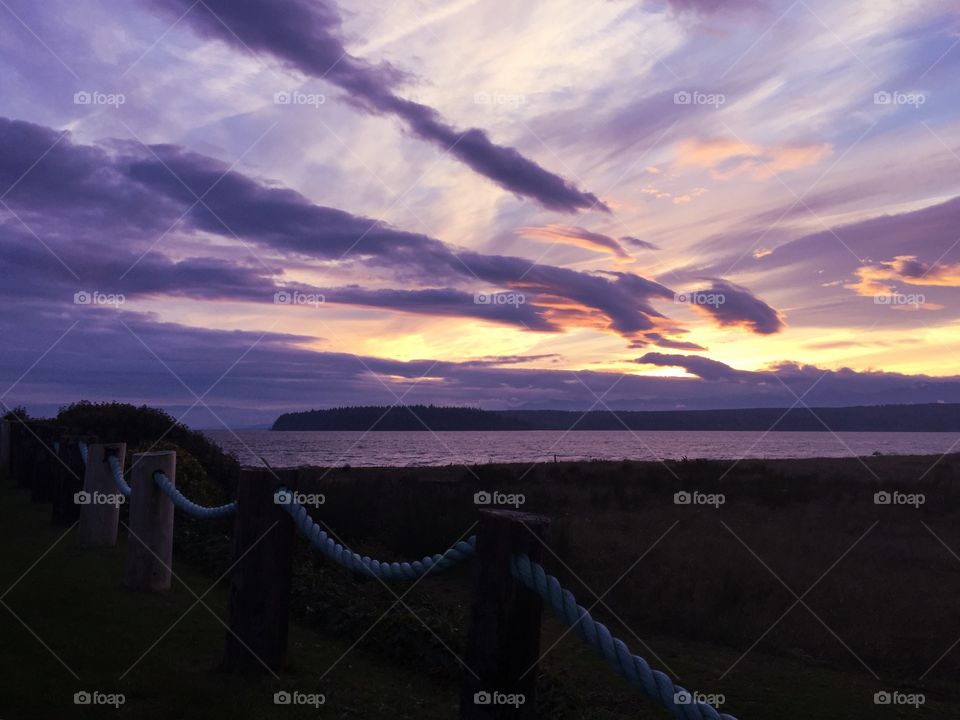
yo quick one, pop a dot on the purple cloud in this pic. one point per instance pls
(577, 237)
(732, 305)
(702, 367)
(711, 7)
(83, 198)
(306, 36)
(101, 358)
(638, 243)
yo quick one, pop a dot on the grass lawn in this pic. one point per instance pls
(162, 650)
(73, 601)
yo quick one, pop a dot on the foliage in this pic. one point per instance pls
(17, 412)
(144, 429)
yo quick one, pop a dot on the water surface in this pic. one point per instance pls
(286, 449)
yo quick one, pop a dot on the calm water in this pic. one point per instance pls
(285, 449)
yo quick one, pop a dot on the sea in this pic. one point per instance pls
(424, 448)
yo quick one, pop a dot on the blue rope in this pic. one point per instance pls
(655, 684)
(333, 550)
(121, 484)
(188, 506)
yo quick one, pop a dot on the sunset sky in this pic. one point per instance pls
(234, 208)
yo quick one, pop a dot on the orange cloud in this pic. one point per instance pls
(877, 279)
(578, 237)
(729, 157)
(880, 280)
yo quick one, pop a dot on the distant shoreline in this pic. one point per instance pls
(880, 418)
(577, 429)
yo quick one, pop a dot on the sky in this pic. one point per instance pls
(236, 208)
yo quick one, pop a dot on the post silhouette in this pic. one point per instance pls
(503, 646)
(99, 518)
(150, 534)
(259, 596)
(45, 466)
(66, 472)
(5, 440)
(23, 450)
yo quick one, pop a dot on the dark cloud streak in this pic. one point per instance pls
(104, 210)
(306, 36)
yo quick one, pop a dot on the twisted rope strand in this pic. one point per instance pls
(341, 555)
(655, 684)
(189, 506)
(121, 484)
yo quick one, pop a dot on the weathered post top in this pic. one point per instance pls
(150, 543)
(259, 597)
(101, 499)
(503, 647)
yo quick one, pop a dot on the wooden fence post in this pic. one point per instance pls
(42, 462)
(45, 467)
(23, 449)
(67, 476)
(100, 511)
(503, 647)
(150, 533)
(38, 449)
(16, 451)
(5, 439)
(259, 595)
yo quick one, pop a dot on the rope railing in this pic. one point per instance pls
(188, 506)
(654, 684)
(321, 541)
(118, 480)
(167, 487)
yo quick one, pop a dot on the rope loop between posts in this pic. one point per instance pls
(118, 480)
(321, 541)
(681, 703)
(188, 506)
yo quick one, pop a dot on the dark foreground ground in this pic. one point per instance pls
(799, 596)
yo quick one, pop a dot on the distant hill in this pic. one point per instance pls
(880, 418)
